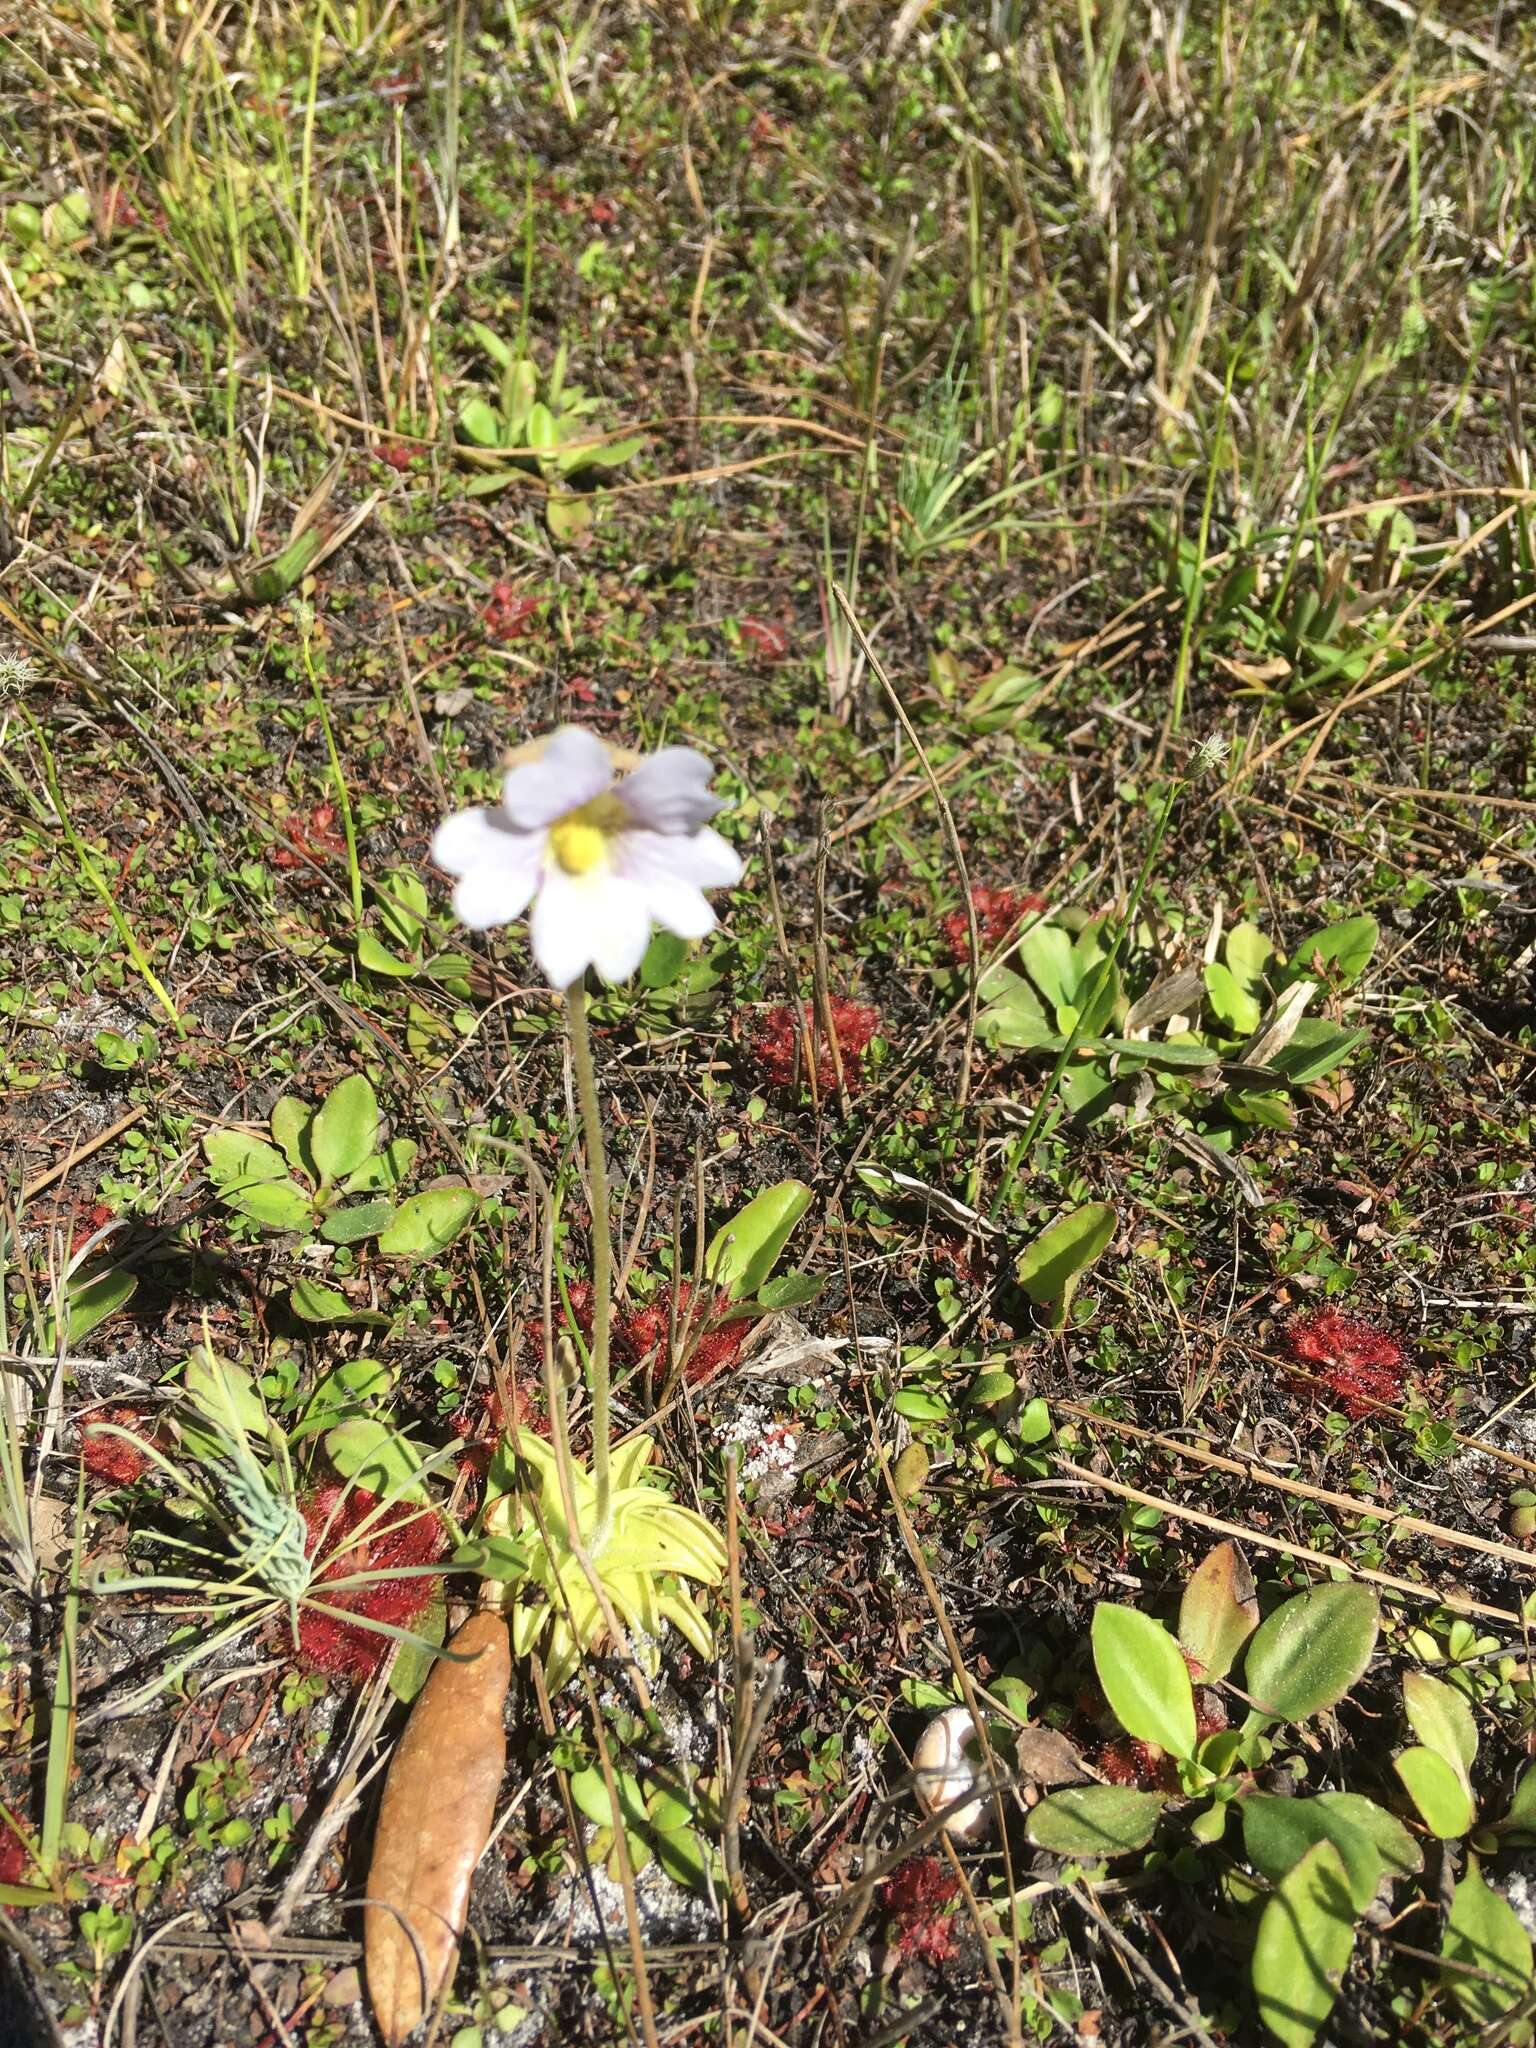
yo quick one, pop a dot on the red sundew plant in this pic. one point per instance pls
(109, 1457)
(770, 641)
(1130, 1762)
(778, 1045)
(407, 1539)
(712, 1340)
(313, 839)
(507, 614)
(918, 1896)
(998, 912)
(1361, 1365)
(481, 1422)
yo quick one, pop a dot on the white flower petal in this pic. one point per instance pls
(679, 908)
(619, 925)
(496, 891)
(593, 920)
(465, 840)
(701, 860)
(572, 769)
(670, 792)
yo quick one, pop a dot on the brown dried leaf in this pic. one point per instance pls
(1046, 1757)
(434, 1821)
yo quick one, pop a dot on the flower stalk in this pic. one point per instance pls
(602, 1254)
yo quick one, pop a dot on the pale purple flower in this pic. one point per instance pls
(601, 860)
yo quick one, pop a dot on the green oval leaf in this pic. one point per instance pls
(275, 1204)
(1438, 1790)
(414, 1659)
(360, 1220)
(89, 1301)
(1233, 1005)
(378, 1458)
(224, 1392)
(315, 1303)
(743, 1253)
(1483, 1931)
(1316, 1048)
(1394, 1845)
(790, 1290)
(491, 1557)
(1345, 947)
(1441, 1719)
(1054, 967)
(1278, 1832)
(374, 959)
(1095, 1820)
(290, 1121)
(1306, 1934)
(1311, 1650)
(383, 1169)
(917, 1406)
(346, 1127)
(425, 1223)
(1145, 1678)
(237, 1161)
(1520, 1821)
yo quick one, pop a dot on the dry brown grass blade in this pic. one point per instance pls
(1362, 1509)
(1177, 1511)
(434, 1821)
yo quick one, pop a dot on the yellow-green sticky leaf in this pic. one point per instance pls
(743, 1253)
(1050, 1269)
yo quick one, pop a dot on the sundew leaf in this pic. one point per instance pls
(1311, 1650)
(1145, 1678)
(1305, 1938)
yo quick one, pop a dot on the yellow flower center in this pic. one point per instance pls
(579, 840)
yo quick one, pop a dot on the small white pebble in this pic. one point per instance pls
(947, 1762)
